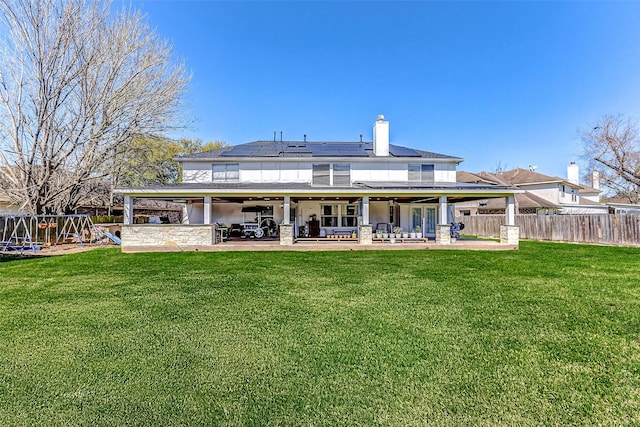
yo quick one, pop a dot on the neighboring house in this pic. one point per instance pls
(352, 188)
(621, 205)
(7, 207)
(542, 195)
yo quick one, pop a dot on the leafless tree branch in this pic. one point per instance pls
(612, 147)
(77, 85)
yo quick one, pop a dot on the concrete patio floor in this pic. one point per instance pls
(274, 245)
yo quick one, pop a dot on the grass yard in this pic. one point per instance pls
(547, 335)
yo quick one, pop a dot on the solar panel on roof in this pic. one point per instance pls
(399, 151)
(297, 150)
(322, 150)
(315, 149)
(254, 149)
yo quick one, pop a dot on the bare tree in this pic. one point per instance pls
(612, 147)
(77, 84)
(500, 167)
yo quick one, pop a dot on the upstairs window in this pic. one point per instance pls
(322, 174)
(329, 174)
(226, 172)
(421, 173)
(341, 174)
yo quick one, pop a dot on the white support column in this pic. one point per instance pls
(510, 232)
(207, 209)
(128, 210)
(365, 210)
(442, 228)
(511, 210)
(443, 210)
(287, 210)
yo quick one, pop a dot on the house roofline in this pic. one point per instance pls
(317, 192)
(343, 159)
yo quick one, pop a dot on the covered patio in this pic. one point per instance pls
(301, 214)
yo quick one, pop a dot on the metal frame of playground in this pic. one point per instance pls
(33, 232)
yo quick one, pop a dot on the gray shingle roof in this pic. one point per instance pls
(311, 149)
(524, 200)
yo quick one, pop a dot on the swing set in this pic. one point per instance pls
(33, 232)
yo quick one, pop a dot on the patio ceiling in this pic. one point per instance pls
(432, 199)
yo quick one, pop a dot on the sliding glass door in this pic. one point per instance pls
(425, 217)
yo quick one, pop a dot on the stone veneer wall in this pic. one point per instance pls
(167, 235)
(286, 234)
(366, 235)
(443, 234)
(510, 234)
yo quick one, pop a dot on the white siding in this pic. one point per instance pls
(378, 213)
(381, 172)
(193, 214)
(591, 197)
(549, 192)
(196, 172)
(445, 172)
(250, 172)
(290, 172)
(260, 172)
(270, 172)
(7, 208)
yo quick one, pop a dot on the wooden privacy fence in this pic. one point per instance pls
(606, 229)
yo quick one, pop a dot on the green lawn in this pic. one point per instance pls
(547, 335)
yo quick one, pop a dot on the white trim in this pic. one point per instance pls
(365, 210)
(511, 211)
(207, 209)
(287, 210)
(442, 210)
(128, 210)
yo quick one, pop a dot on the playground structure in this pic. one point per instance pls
(34, 232)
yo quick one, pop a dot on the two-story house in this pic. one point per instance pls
(542, 194)
(295, 189)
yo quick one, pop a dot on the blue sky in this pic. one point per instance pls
(497, 83)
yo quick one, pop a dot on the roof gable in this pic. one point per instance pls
(472, 178)
(521, 176)
(524, 201)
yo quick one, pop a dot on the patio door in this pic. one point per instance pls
(425, 217)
